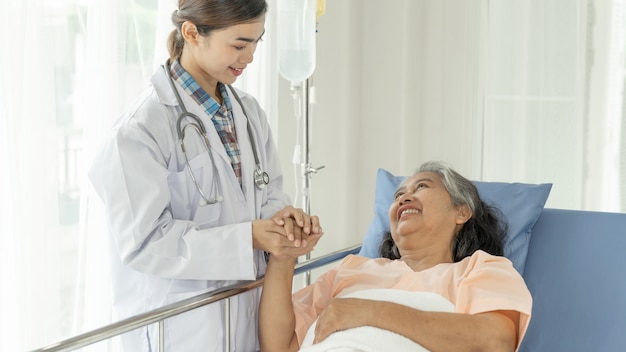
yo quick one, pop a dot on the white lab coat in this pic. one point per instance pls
(165, 246)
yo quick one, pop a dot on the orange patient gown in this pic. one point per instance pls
(479, 283)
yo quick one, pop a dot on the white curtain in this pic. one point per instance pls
(605, 185)
(69, 70)
(535, 92)
(31, 236)
(554, 98)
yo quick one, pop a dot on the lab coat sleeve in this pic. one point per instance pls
(130, 175)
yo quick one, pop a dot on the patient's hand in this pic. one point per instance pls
(342, 314)
(272, 238)
(298, 224)
(291, 252)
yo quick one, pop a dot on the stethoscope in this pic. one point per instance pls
(261, 178)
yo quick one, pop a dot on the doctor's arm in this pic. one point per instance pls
(132, 178)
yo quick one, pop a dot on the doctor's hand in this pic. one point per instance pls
(271, 237)
(302, 226)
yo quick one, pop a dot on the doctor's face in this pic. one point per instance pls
(223, 55)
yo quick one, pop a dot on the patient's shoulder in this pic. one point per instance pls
(483, 261)
(355, 260)
(481, 257)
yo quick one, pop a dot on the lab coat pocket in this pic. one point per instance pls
(200, 329)
(187, 202)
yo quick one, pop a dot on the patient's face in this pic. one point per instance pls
(422, 215)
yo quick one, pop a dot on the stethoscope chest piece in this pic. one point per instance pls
(261, 178)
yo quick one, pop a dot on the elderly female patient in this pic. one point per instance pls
(444, 244)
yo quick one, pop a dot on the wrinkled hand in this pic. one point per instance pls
(302, 226)
(342, 314)
(272, 238)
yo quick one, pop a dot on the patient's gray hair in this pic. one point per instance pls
(461, 190)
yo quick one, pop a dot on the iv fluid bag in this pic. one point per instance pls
(296, 39)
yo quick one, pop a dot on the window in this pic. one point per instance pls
(555, 98)
(75, 65)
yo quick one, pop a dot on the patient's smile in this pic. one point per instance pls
(409, 211)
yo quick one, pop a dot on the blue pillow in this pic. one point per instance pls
(520, 203)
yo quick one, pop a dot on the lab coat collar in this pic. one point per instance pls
(162, 87)
(166, 96)
(160, 82)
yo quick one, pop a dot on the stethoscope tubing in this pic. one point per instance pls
(261, 178)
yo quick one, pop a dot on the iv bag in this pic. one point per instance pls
(296, 39)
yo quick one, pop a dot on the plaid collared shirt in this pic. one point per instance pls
(221, 116)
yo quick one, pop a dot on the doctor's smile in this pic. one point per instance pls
(236, 71)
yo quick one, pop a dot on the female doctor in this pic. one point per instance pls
(186, 178)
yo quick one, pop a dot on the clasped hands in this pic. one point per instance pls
(290, 233)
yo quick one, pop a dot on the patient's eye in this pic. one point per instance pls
(411, 188)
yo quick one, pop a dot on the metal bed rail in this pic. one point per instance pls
(160, 314)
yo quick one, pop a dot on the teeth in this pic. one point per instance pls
(409, 211)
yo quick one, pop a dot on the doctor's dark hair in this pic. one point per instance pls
(485, 230)
(209, 15)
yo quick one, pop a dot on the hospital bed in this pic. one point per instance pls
(574, 263)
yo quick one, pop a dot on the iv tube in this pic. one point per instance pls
(296, 39)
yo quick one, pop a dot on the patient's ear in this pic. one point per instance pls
(464, 213)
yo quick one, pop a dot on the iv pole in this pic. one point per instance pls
(297, 21)
(307, 169)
